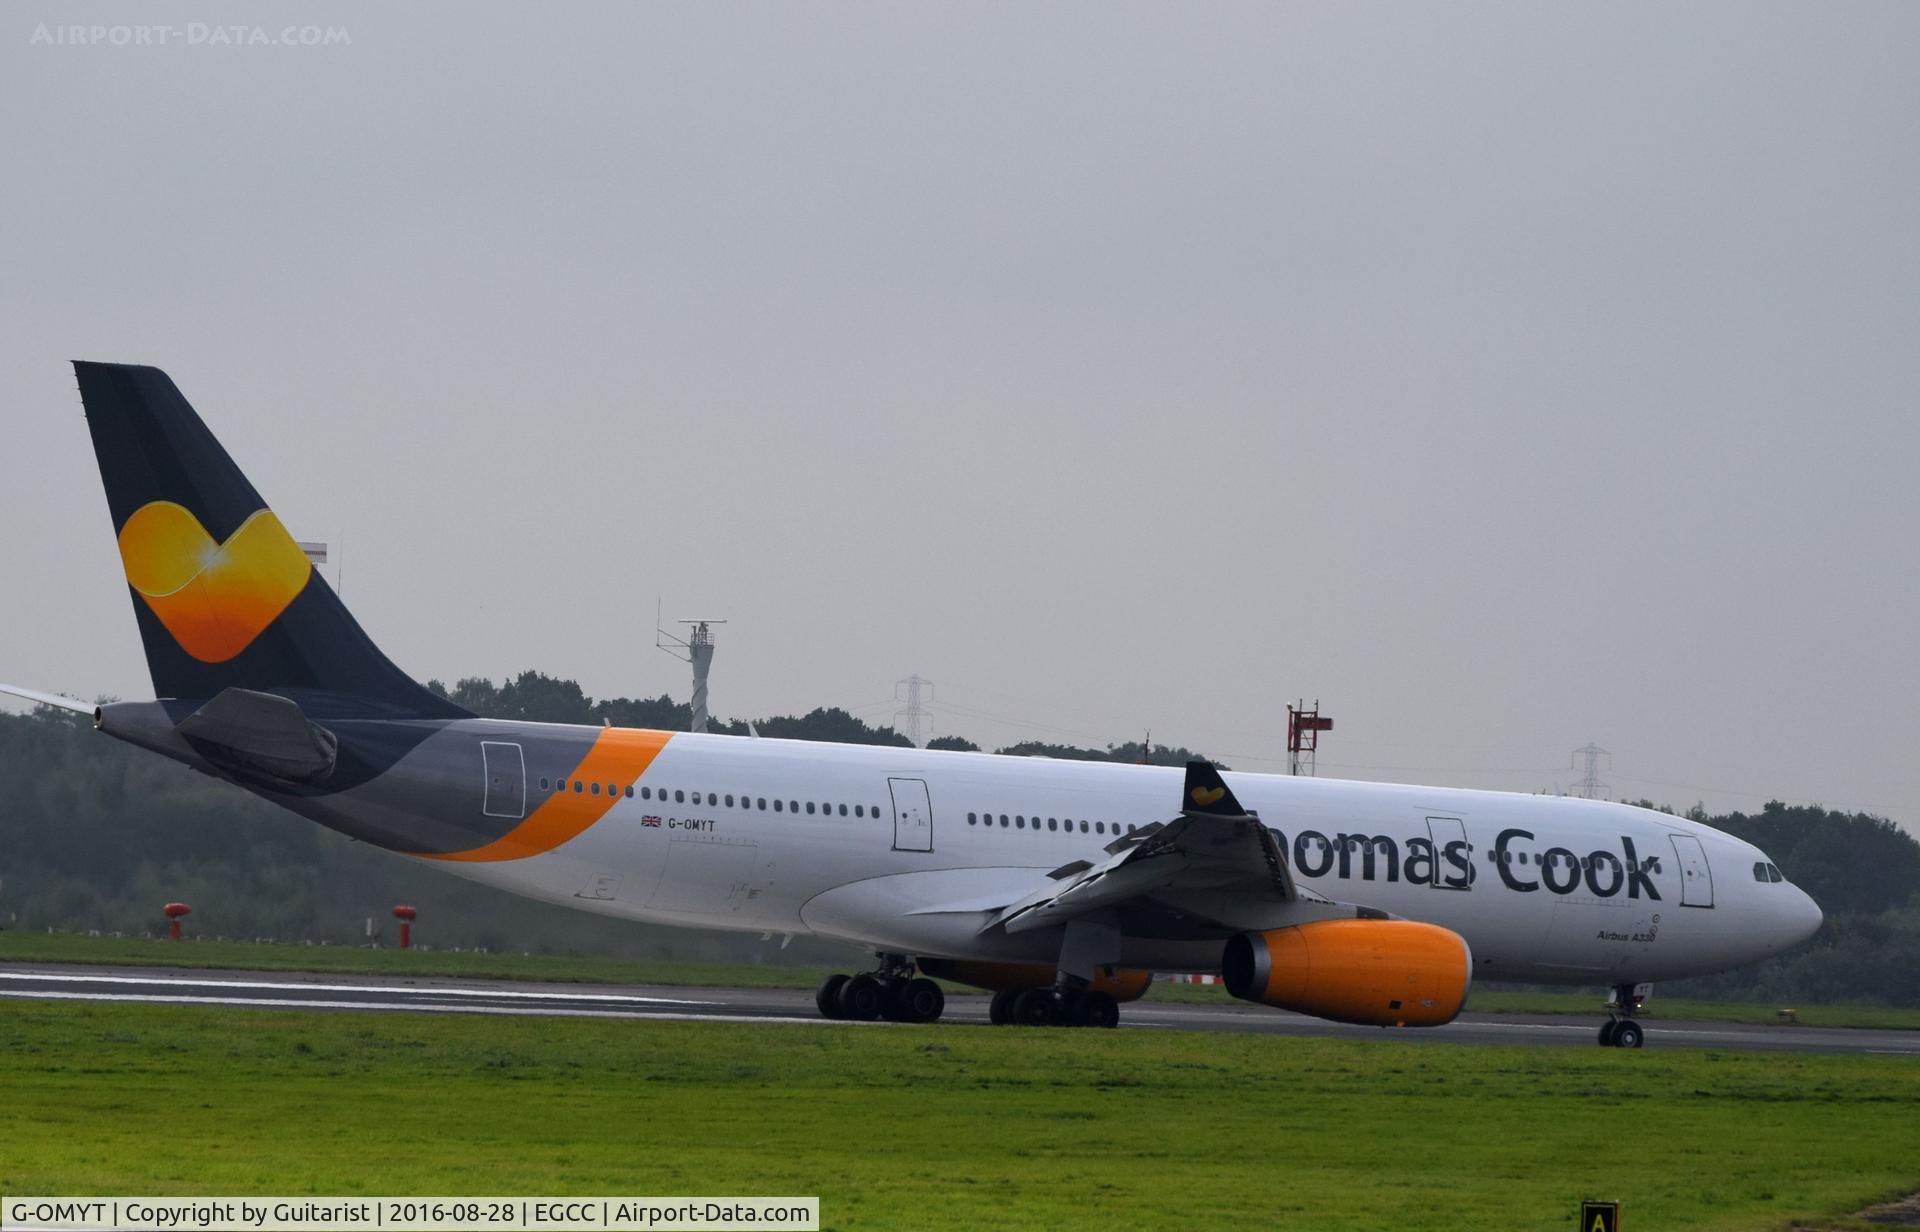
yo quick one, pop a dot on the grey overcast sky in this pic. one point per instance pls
(1508, 377)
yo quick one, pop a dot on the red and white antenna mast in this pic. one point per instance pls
(1303, 736)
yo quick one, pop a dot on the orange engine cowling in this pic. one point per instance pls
(1385, 973)
(1119, 983)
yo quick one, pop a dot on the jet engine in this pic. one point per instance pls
(1385, 973)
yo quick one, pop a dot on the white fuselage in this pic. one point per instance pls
(1543, 888)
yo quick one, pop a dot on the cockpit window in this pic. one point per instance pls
(1775, 874)
(1767, 873)
(1760, 872)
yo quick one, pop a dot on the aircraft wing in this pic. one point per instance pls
(49, 699)
(1215, 866)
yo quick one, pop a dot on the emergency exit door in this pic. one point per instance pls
(912, 815)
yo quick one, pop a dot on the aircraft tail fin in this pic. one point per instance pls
(224, 596)
(1207, 792)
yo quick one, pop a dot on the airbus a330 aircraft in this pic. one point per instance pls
(1062, 885)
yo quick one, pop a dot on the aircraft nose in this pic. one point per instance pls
(1811, 916)
(1808, 916)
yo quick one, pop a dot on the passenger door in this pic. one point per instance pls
(1696, 879)
(1449, 833)
(505, 769)
(912, 815)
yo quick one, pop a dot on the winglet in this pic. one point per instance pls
(1206, 792)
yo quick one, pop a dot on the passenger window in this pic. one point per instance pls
(629, 791)
(809, 808)
(1003, 821)
(1020, 821)
(543, 784)
(843, 810)
(973, 819)
(595, 788)
(859, 810)
(793, 806)
(778, 806)
(578, 787)
(760, 802)
(613, 789)
(1083, 827)
(1053, 823)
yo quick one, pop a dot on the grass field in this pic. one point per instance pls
(945, 1126)
(18, 946)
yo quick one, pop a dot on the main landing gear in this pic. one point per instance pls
(1620, 1030)
(1053, 1007)
(893, 991)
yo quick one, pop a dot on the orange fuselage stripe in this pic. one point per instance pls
(619, 755)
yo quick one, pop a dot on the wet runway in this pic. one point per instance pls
(394, 994)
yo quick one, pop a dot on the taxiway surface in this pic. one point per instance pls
(396, 994)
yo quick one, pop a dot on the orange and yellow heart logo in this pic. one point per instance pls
(1204, 796)
(215, 598)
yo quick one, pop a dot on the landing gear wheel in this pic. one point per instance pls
(1096, 1009)
(860, 998)
(828, 998)
(1627, 1034)
(1607, 1029)
(1036, 1007)
(917, 1001)
(1000, 1009)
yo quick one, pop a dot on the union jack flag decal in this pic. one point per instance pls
(650, 820)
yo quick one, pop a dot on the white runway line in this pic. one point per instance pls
(401, 989)
(399, 1007)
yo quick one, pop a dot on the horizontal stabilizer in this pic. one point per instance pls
(263, 732)
(49, 699)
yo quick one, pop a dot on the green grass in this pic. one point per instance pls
(945, 1126)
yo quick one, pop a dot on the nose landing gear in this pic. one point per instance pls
(1621, 1030)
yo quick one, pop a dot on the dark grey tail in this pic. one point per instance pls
(224, 596)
